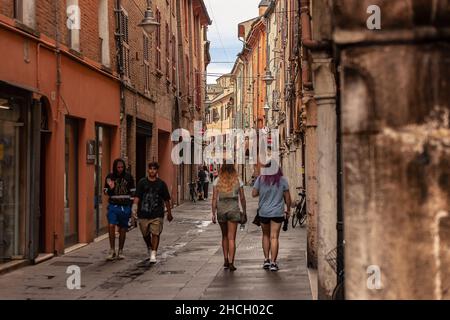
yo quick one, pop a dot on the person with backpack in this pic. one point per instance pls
(119, 186)
(151, 200)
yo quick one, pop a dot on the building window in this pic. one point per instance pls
(123, 28)
(188, 76)
(168, 70)
(103, 30)
(198, 91)
(74, 16)
(158, 41)
(18, 9)
(25, 12)
(197, 35)
(146, 50)
(186, 25)
(174, 62)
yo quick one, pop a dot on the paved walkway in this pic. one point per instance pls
(189, 267)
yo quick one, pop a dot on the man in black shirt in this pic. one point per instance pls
(152, 195)
(119, 186)
(201, 183)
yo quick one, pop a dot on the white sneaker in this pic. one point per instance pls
(120, 255)
(153, 257)
(111, 255)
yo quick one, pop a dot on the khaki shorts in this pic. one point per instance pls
(155, 226)
(233, 216)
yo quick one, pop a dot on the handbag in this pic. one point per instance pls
(257, 221)
(243, 218)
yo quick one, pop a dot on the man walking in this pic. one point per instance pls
(119, 186)
(153, 195)
(206, 183)
(201, 183)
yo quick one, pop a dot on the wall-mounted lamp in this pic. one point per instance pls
(149, 23)
(268, 78)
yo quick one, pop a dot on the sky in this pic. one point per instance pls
(225, 16)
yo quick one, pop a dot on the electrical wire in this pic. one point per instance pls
(218, 31)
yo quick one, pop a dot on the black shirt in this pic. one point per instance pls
(202, 175)
(152, 195)
(123, 189)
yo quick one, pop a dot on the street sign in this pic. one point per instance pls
(90, 152)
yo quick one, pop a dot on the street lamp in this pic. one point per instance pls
(268, 77)
(149, 24)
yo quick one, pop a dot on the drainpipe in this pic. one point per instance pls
(56, 119)
(120, 66)
(178, 113)
(311, 106)
(179, 55)
(340, 186)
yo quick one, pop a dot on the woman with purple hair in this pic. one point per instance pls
(273, 192)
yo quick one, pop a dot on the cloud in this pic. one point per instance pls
(226, 15)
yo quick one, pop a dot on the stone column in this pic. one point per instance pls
(311, 180)
(396, 148)
(325, 96)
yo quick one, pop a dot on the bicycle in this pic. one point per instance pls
(300, 215)
(331, 258)
(193, 191)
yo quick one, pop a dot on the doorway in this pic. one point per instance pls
(141, 157)
(164, 157)
(10, 207)
(102, 168)
(71, 183)
(144, 131)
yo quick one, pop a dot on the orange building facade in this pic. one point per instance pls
(81, 84)
(59, 120)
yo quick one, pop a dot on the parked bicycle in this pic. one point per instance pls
(299, 216)
(193, 191)
(331, 258)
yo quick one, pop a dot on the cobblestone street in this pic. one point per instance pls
(189, 266)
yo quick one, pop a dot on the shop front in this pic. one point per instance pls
(20, 116)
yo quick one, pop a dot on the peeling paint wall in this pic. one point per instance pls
(396, 152)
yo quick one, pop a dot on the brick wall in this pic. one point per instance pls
(51, 21)
(160, 100)
(7, 8)
(90, 44)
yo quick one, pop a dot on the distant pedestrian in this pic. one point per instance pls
(227, 192)
(211, 175)
(206, 183)
(152, 195)
(119, 186)
(273, 192)
(202, 179)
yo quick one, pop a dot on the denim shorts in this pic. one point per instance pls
(119, 215)
(266, 220)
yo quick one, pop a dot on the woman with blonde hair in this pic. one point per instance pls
(228, 189)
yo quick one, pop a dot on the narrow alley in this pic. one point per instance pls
(189, 266)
